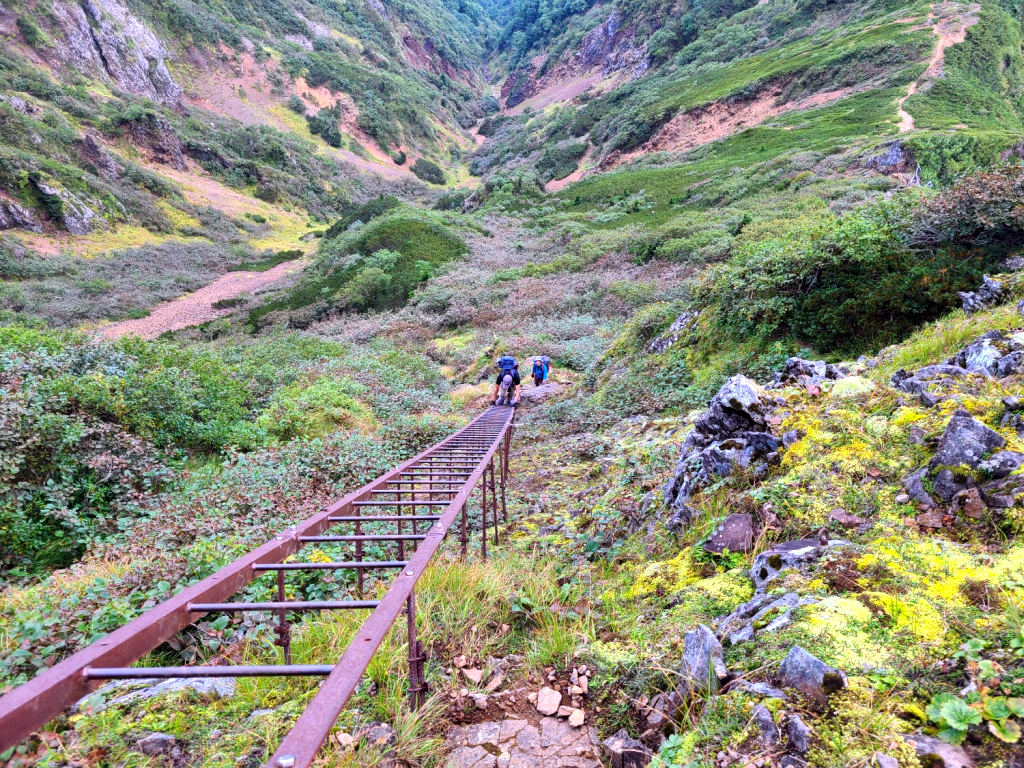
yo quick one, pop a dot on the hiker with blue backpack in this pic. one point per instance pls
(508, 384)
(540, 370)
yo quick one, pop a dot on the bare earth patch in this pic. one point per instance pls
(565, 90)
(557, 184)
(719, 120)
(197, 308)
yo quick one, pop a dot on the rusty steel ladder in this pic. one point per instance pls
(429, 493)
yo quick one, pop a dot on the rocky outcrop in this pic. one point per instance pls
(15, 216)
(104, 37)
(675, 331)
(761, 614)
(806, 373)
(613, 48)
(156, 135)
(989, 294)
(66, 207)
(732, 434)
(995, 354)
(895, 157)
(96, 155)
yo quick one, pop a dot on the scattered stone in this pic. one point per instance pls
(902, 498)
(799, 734)
(884, 761)
(576, 718)
(585, 684)
(792, 761)
(703, 667)
(765, 724)
(792, 437)
(548, 701)
(662, 711)
(946, 485)
(929, 520)
(807, 373)
(735, 534)
(968, 503)
(379, 735)
(810, 675)
(626, 752)
(761, 689)
(480, 700)
(494, 684)
(564, 711)
(939, 754)
(460, 661)
(155, 744)
(845, 519)
(473, 674)
(762, 613)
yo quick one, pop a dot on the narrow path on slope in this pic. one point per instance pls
(196, 308)
(949, 29)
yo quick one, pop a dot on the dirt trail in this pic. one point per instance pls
(563, 91)
(557, 184)
(196, 308)
(950, 24)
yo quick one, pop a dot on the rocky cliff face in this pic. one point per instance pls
(103, 37)
(609, 48)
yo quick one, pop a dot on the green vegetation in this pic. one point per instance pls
(428, 171)
(372, 266)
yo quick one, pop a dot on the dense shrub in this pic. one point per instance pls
(427, 170)
(841, 284)
(305, 409)
(362, 213)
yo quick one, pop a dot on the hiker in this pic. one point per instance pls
(540, 371)
(508, 384)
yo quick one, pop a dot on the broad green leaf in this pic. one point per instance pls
(932, 710)
(1016, 705)
(1005, 730)
(957, 714)
(996, 708)
(952, 736)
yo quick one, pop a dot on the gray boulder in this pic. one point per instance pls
(965, 442)
(730, 435)
(981, 356)
(810, 675)
(763, 613)
(939, 754)
(765, 724)
(1010, 365)
(703, 668)
(735, 534)
(155, 744)
(946, 485)
(798, 734)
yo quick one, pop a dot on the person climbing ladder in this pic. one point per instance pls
(508, 384)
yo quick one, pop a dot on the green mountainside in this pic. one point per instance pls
(253, 254)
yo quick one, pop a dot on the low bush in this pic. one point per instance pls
(427, 170)
(305, 409)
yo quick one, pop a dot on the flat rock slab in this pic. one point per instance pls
(520, 744)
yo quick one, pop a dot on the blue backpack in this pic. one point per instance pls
(538, 370)
(508, 365)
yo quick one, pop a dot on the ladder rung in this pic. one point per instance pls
(297, 605)
(368, 537)
(137, 673)
(332, 566)
(381, 518)
(403, 503)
